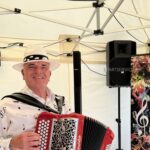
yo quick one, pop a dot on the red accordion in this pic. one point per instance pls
(72, 132)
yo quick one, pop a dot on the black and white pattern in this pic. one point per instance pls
(64, 134)
(2, 112)
(35, 57)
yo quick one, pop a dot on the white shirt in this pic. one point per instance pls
(17, 117)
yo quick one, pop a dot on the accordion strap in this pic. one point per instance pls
(30, 101)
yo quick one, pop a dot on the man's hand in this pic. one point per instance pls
(25, 141)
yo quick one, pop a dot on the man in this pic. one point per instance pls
(17, 119)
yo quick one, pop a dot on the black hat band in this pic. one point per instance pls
(35, 57)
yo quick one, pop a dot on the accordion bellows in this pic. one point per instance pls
(72, 132)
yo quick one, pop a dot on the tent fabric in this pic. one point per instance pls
(40, 23)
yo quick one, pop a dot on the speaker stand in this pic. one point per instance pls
(118, 120)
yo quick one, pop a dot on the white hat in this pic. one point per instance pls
(36, 55)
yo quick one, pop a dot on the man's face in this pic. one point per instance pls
(36, 74)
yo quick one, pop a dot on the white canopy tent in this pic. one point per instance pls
(50, 23)
(62, 26)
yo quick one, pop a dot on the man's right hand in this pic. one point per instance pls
(25, 141)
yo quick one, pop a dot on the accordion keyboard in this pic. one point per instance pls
(43, 130)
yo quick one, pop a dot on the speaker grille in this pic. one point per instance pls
(118, 57)
(120, 73)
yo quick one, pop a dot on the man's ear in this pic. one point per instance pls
(50, 73)
(22, 73)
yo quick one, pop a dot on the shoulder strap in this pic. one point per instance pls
(30, 101)
(60, 101)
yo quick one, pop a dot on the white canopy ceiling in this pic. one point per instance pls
(48, 24)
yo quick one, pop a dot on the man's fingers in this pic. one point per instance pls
(34, 143)
(26, 141)
(33, 139)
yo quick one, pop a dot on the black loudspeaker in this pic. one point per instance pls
(77, 81)
(118, 60)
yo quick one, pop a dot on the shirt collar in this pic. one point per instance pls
(28, 91)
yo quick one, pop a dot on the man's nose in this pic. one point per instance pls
(38, 70)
